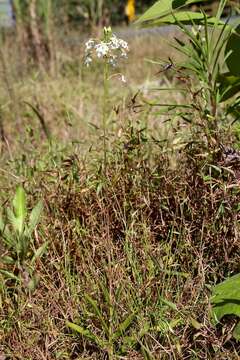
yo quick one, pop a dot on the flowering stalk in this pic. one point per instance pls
(105, 111)
(110, 49)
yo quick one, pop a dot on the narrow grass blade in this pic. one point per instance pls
(40, 251)
(97, 312)
(124, 326)
(41, 120)
(9, 275)
(34, 217)
(86, 333)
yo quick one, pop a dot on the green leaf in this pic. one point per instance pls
(236, 332)
(131, 341)
(86, 333)
(5, 233)
(9, 275)
(34, 217)
(39, 253)
(234, 109)
(163, 8)
(167, 302)
(226, 298)
(227, 307)
(8, 237)
(20, 209)
(7, 260)
(124, 326)
(14, 221)
(233, 46)
(229, 288)
(2, 225)
(195, 324)
(169, 12)
(97, 312)
(229, 85)
(183, 17)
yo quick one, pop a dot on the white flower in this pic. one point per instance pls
(124, 54)
(123, 79)
(111, 48)
(114, 42)
(113, 60)
(88, 60)
(101, 49)
(123, 44)
(89, 45)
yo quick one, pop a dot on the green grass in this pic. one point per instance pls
(131, 255)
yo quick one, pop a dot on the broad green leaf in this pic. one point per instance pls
(163, 8)
(172, 12)
(226, 298)
(124, 326)
(20, 209)
(236, 332)
(233, 46)
(226, 287)
(231, 295)
(226, 308)
(184, 17)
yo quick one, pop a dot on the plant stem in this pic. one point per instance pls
(105, 112)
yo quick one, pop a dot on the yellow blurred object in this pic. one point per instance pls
(130, 10)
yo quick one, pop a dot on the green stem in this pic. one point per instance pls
(105, 112)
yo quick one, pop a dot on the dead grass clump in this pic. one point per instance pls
(147, 237)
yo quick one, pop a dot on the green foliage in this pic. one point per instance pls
(226, 301)
(111, 336)
(229, 85)
(205, 59)
(170, 12)
(16, 230)
(232, 52)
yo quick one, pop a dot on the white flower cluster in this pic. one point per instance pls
(112, 49)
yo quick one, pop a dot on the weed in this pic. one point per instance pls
(17, 233)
